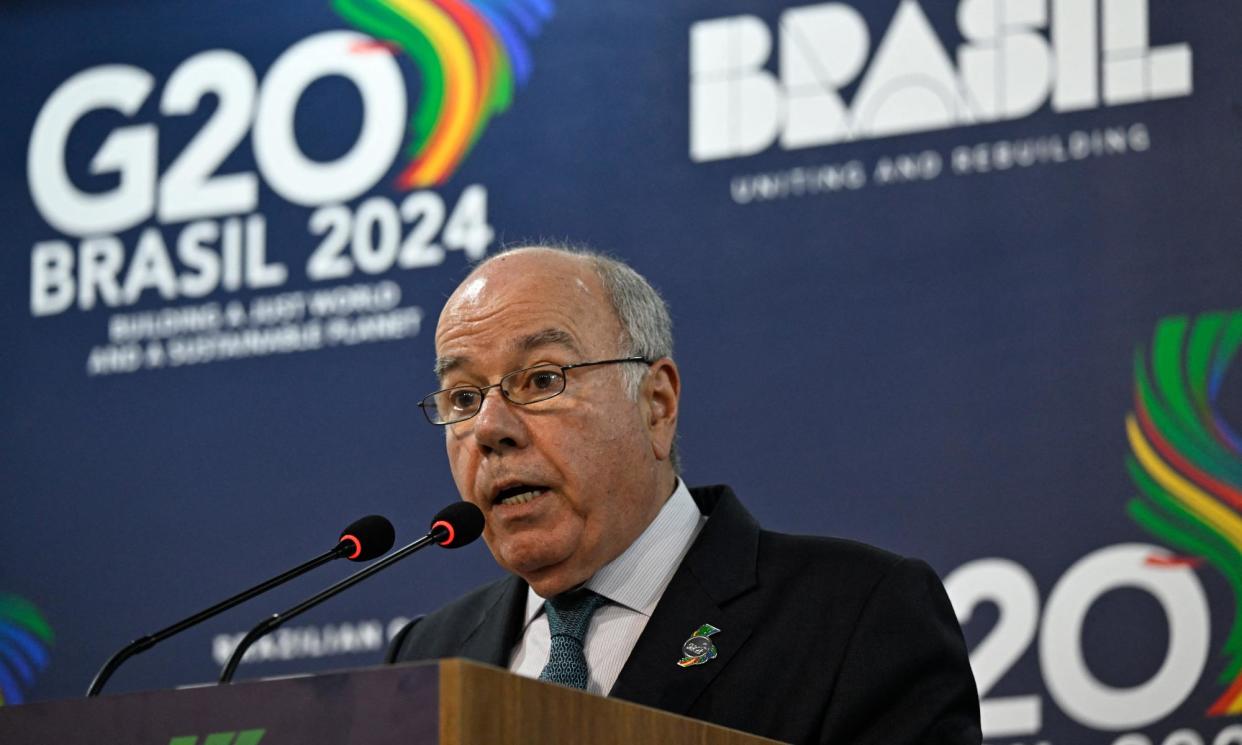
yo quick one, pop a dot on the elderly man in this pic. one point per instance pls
(559, 402)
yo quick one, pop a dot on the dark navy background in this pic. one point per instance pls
(940, 368)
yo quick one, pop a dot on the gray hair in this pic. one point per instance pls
(646, 327)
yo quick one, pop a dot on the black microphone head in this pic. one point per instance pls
(462, 520)
(367, 537)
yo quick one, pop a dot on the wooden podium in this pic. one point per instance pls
(451, 702)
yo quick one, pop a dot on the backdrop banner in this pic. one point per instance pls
(959, 279)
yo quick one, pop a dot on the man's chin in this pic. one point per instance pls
(549, 576)
(547, 587)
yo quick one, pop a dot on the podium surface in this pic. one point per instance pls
(454, 702)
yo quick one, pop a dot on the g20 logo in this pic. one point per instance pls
(468, 59)
(190, 187)
(230, 252)
(1186, 464)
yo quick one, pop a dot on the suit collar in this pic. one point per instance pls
(498, 626)
(720, 567)
(724, 557)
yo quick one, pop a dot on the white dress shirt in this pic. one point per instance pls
(633, 583)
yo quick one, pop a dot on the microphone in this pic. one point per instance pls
(362, 540)
(452, 527)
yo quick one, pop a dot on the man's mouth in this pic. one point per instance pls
(518, 494)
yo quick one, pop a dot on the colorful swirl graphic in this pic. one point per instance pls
(25, 637)
(1187, 462)
(468, 56)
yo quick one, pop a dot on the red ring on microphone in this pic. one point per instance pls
(357, 545)
(447, 526)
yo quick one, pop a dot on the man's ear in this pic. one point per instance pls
(660, 392)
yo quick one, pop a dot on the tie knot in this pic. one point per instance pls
(569, 614)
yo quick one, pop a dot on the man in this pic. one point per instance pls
(559, 404)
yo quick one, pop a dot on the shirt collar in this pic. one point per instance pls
(636, 579)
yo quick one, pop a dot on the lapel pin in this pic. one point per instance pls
(699, 648)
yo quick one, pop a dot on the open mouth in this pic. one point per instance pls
(518, 494)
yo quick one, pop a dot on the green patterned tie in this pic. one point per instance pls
(569, 615)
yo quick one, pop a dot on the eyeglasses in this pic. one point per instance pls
(522, 387)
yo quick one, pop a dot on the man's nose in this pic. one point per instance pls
(498, 426)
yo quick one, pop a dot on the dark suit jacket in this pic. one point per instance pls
(821, 640)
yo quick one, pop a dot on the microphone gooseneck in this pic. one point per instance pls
(362, 540)
(452, 527)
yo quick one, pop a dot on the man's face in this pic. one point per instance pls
(568, 483)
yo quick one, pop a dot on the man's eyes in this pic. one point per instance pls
(463, 398)
(544, 379)
(540, 378)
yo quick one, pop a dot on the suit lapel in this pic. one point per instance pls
(498, 626)
(719, 568)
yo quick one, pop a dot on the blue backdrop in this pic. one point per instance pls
(957, 279)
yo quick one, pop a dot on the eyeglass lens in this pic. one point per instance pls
(521, 387)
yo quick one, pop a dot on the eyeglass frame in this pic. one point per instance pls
(428, 401)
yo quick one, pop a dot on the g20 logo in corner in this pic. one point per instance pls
(1186, 461)
(1017, 56)
(25, 638)
(468, 58)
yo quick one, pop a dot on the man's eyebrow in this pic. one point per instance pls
(530, 342)
(445, 365)
(546, 337)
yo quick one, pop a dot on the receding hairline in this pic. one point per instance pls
(581, 256)
(550, 336)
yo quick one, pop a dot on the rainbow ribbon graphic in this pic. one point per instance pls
(1187, 462)
(24, 640)
(468, 56)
